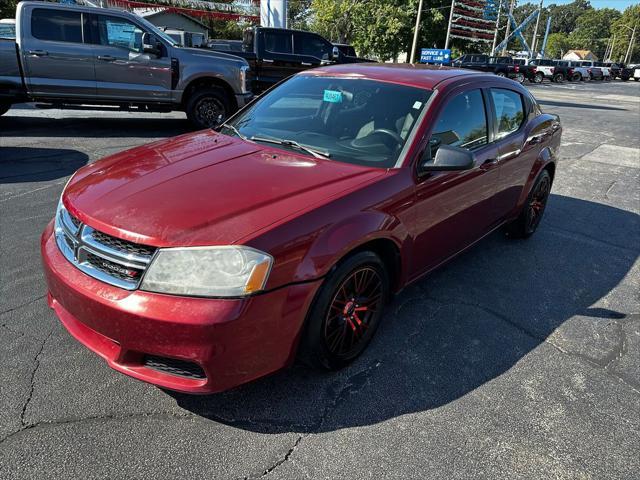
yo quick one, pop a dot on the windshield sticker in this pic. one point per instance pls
(417, 105)
(332, 96)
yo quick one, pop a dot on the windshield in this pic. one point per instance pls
(351, 120)
(157, 32)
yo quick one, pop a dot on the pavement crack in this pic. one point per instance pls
(18, 307)
(280, 461)
(36, 361)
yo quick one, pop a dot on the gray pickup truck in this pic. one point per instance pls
(66, 56)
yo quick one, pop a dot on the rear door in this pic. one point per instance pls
(275, 56)
(57, 60)
(519, 139)
(124, 71)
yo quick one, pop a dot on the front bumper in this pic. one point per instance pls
(234, 341)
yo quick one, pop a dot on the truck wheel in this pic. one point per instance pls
(558, 78)
(520, 78)
(538, 78)
(500, 74)
(576, 77)
(208, 107)
(4, 107)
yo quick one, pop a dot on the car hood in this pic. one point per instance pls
(210, 55)
(203, 189)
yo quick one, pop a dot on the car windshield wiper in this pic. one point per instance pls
(235, 130)
(292, 143)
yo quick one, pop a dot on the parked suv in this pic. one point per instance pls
(66, 55)
(595, 72)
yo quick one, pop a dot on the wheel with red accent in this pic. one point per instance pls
(346, 312)
(527, 222)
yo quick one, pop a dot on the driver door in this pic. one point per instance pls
(454, 209)
(123, 70)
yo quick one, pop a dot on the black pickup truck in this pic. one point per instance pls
(501, 66)
(277, 53)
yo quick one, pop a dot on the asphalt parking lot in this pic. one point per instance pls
(519, 359)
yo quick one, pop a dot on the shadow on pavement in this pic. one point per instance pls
(29, 164)
(99, 126)
(553, 103)
(461, 327)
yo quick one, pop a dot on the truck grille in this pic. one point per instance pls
(109, 259)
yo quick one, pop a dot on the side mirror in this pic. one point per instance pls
(447, 158)
(335, 53)
(154, 49)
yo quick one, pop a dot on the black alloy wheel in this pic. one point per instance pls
(346, 312)
(208, 107)
(529, 219)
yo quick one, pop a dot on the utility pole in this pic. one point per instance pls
(506, 33)
(495, 35)
(415, 33)
(535, 31)
(627, 57)
(446, 42)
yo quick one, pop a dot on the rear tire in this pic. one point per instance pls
(538, 77)
(208, 107)
(527, 222)
(558, 78)
(345, 313)
(4, 108)
(577, 77)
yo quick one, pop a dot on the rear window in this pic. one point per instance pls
(56, 26)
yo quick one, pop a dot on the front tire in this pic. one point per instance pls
(527, 222)
(520, 78)
(538, 78)
(345, 313)
(577, 77)
(558, 78)
(208, 107)
(4, 108)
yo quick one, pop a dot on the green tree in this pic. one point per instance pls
(557, 45)
(8, 8)
(565, 17)
(621, 29)
(299, 13)
(593, 29)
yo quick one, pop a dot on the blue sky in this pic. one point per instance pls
(619, 4)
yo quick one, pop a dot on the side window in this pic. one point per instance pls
(462, 123)
(56, 25)
(509, 111)
(118, 32)
(277, 42)
(311, 45)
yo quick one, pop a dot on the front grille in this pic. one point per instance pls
(122, 245)
(172, 366)
(109, 259)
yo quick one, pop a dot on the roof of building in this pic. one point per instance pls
(150, 12)
(582, 54)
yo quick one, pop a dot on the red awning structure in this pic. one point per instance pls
(192, 12)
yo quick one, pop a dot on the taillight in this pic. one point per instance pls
(553, 70)
(517, 68)
(534, 70)
(570, 71)
(589, 70)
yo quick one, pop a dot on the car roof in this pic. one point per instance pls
(417, 75)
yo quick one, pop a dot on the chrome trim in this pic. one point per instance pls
(81, 238)
(115, 255)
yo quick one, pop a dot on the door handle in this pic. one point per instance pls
(489, 163)
(38, 53)
(266, 60)
(106, 58)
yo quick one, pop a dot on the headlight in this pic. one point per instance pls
(226, 271)
(243, 78)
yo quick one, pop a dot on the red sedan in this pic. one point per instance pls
(204, 261)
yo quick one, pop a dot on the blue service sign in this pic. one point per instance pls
(435, 55)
